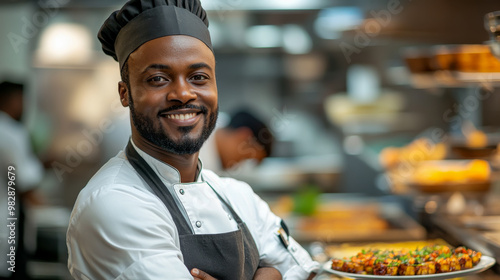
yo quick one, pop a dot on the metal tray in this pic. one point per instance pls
(401, 227)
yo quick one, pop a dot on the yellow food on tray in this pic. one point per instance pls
(426, 260)
(421, 149)
(343, 221)
(452, 172)
(476, 139)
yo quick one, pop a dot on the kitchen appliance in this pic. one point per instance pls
(492, 25)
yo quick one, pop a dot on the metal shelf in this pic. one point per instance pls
(454, 79)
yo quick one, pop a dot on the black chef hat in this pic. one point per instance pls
(140, 21)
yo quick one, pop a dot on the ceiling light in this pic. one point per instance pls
(264, 36)
(296, 40)
(65, 44)
(231, 5)
(331, 22)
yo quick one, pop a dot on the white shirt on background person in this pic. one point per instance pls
(15, 150)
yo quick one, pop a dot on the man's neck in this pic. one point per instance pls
(187, 165)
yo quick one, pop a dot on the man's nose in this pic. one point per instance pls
(181, 91)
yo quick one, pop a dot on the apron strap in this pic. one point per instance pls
(233, 213)
(147, 173)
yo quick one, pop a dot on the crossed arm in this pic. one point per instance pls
(265, 273)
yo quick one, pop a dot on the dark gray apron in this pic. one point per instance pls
(225, 256)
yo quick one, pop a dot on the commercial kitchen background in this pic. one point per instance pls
(328, 76)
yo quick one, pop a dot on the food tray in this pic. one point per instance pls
(479, 187)
(399, 227)
(483, 223)
(485, 263)
(349, 249)
(465, 152)
(492, 240)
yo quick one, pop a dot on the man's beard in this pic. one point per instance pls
(156, 135)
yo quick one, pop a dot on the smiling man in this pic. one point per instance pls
(172, 96)
(152, 211)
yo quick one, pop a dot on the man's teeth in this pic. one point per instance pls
(181, 116)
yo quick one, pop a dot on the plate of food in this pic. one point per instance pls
(429, 262)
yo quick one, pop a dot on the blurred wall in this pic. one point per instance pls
(15, 45)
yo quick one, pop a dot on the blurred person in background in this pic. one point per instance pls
(152, 211)
(16, 151)
(245, 137)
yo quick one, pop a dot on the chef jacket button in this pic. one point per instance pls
(181, 191)
(293, 249)
(198, 224)
(229, 216)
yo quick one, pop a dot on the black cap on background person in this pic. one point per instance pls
(11, 99)
(261, 133)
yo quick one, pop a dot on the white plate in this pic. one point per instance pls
(485, 263)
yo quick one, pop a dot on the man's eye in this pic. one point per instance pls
(157, 79)
(199, 77)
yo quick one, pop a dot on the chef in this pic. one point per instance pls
(244, 139)
(152, 211)
(21, 175)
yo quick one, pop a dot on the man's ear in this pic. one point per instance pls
(123, 91)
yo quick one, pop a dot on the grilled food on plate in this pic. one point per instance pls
(427, 260)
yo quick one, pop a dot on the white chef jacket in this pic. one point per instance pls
(15, 150)
(119, 229)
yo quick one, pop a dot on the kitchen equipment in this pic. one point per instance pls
(492, 25)
(355, 219)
